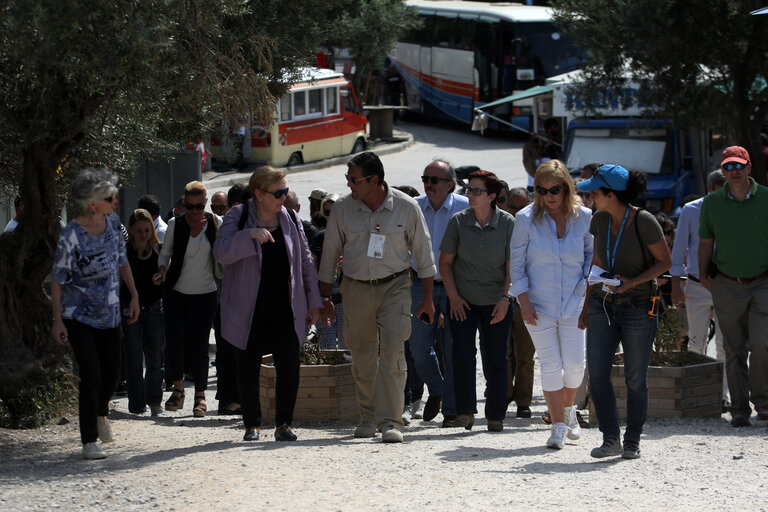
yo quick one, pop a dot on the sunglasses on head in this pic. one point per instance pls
(433, 179)
(733, 165)
(471, 191)
(196, 206)
(278, 193)
(544, 191)
(597, 175)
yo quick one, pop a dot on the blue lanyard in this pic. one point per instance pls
(612, 256)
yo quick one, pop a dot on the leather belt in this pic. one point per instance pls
(617, 299)
(694, 278)
(382, 280)
(744, 279)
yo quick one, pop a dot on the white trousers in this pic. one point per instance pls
(561, 347)
(699, 309)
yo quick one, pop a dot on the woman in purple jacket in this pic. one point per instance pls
(269, 296)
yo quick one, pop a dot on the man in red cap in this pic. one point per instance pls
(733, 229)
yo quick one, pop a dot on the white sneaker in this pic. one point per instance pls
(104, 430)
(417, 409)
(574, 429)
(406, 415)
(390, 434)
(556, 440)
(92, 451)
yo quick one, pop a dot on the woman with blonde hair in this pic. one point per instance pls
(143, 341)
(269, 296)
(550, 256)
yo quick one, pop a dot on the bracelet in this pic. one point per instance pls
(509, 298)
(326, 299)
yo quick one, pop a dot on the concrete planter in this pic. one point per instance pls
(326, 393)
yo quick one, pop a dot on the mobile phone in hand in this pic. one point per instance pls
(424, 319)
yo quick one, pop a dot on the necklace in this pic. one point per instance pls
(269, 223)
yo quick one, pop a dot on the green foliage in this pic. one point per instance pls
(702, 63)
(312, 354)
(41, 400)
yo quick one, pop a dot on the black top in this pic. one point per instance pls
(273, 303)
(142, 271)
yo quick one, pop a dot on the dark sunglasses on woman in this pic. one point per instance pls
(279, 193)
(544, 191)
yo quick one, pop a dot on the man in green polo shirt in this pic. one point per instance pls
(734, 235)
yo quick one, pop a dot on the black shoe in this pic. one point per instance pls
(740, 421)
(225, 411)
(251, 435)
(523, 411)
(631, 450)
(451, 422)
(283, 433)
(432, 407)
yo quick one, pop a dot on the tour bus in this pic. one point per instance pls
(319, 117)
(466, 54)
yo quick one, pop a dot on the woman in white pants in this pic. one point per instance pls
(551, 252)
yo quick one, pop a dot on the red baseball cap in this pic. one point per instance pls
(735, 154)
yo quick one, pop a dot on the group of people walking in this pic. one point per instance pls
(408, 266)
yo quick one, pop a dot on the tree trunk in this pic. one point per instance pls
(26, 257)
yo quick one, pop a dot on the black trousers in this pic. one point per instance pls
(97, 352)
(188, 318)
(281, 337)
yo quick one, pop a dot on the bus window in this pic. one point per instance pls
(347, 103)
(316, 101)
(445, 29)
(299, 103)
(332, 95)
(285, 107)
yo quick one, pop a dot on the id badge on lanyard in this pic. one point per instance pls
(376, 244)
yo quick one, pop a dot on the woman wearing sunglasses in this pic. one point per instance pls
(474, 266)
(550, 255)
(269, 296)
(187, 268)
(629, 244)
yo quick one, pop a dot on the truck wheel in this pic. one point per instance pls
(359, 146)
(295, 159)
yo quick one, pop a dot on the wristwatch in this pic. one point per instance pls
(327, 299)
(509, 298)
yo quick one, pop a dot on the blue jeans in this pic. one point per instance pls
(422, 344)
(493, 352)
(630, 325)
(143, 344)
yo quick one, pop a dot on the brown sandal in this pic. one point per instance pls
(200, 407)
(176, 400)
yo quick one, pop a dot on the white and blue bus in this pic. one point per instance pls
(467, 54)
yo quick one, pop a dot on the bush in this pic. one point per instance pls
(51, 395)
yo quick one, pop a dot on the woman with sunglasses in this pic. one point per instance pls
(269, 296)
(474, 266)
(187, 267)
(629, 244)
(89, 263)
(550, 255)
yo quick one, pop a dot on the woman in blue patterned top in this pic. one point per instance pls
(85, 297)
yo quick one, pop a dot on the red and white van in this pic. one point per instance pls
(318, 118)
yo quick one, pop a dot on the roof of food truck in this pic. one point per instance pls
(314, 77)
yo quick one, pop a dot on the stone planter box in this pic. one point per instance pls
(326, 393)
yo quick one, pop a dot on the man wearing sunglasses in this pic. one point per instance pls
(437, 204)
(733, 229)
(378, 231)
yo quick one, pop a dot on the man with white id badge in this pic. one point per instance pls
(377, 231)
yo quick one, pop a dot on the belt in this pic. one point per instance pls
(694, 278)
(620, 299)
(743, 279)
(382, 280)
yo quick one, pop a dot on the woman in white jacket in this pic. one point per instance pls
(551, 251)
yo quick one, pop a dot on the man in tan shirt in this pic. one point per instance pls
(377, 230)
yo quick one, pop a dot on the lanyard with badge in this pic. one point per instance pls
(376, 244)
(612, 254)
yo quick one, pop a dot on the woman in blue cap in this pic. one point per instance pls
(629, 244)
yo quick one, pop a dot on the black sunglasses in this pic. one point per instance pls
(278, 193)
(355, 180)
(733, 165)
(196, 206)
(544, 191)
(433, 179)
(596, 174)
(110, 198)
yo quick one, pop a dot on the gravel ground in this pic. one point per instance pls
(177, 462)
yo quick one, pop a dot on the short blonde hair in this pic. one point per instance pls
(195, 188)
(555, 170)
(263, 177)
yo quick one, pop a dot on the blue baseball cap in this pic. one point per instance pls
(610, 176)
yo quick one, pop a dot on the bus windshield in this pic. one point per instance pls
(542, 51)
(638, 149)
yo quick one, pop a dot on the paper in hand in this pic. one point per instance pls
(599, 275)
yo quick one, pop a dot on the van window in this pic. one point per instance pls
(316, 101)
(332, 95)
(299, 103)
(285, 107)
(347, 103)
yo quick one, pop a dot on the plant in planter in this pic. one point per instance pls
(680, 383)
(326, 387)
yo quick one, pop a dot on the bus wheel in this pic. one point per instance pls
(295, 159)
(359, 146)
